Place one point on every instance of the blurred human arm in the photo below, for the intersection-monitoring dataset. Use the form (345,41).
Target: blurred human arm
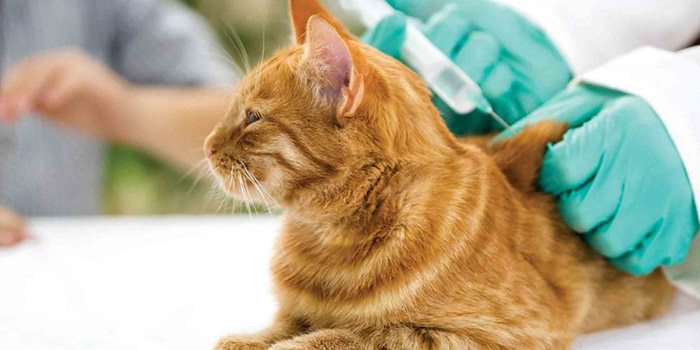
(77,91)
(12,228)
(164,44)
(161,84)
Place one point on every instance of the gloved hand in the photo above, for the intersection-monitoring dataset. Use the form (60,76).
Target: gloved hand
(618,178)
(514,63)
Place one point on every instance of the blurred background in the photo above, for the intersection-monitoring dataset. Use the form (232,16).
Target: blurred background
(138,184)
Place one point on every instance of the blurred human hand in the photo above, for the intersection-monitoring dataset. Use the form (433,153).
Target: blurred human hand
(12,228)
(69,87)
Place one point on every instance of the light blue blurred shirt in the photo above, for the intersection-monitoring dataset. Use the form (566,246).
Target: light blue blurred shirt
(49,170)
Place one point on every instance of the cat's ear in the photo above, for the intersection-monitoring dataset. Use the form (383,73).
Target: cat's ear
(301,11)
(329,62)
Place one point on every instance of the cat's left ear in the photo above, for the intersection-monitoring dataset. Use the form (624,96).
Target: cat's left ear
(328,59)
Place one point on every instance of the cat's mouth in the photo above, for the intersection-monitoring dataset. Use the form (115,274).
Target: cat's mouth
(230,173)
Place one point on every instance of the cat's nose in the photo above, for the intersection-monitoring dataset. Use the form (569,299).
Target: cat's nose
(210,146)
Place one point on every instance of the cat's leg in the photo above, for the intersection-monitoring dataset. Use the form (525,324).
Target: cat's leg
(400,337)
(387,338)
(284,327)
(418,338)
(326,339)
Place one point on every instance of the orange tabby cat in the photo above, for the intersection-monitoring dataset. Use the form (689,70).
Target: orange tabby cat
(396,235)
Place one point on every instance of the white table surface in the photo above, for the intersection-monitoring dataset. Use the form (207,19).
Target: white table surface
(182,282)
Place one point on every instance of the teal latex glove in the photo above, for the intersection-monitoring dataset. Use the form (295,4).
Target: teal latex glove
(514,63)
(618,178)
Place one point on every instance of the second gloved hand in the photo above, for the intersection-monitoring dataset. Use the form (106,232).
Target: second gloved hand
(619,178)
(515,64)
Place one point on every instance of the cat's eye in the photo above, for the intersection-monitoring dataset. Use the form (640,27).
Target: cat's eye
(252,117)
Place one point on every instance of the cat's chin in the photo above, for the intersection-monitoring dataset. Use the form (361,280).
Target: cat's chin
(242,190)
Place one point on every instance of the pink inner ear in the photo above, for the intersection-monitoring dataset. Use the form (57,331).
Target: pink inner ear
(328,55)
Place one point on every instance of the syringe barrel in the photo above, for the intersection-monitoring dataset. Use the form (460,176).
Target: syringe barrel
(447,80)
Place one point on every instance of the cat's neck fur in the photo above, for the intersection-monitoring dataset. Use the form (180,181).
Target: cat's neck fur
(375,198)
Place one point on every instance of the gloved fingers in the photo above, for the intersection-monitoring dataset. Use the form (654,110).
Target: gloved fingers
(670,245)
(497,87)
(588,150)
(626,230)
(498,81)
(577,159)
(663,246)
(388,35)
(591,205)
(420,9)
(447,30)
(572,106)
(478,54)
(513,31)
(525,99)
(641,261)
(507,109)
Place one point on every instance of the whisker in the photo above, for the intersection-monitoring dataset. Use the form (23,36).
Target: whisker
(192,169)
(257,188)
(250,198)
(227,182)
(199,168)
(237,43)
(204,175)
(227,57)
(221,205)
(262,54)
(245,198)
(261,185)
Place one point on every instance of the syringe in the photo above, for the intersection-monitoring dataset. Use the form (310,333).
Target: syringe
(447,80)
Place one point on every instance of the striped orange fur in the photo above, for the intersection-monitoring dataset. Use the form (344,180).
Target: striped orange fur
(396,234)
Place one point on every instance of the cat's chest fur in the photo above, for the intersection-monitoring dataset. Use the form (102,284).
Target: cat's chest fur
(429,241)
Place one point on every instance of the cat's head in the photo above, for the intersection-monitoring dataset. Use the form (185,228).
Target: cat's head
(317,112)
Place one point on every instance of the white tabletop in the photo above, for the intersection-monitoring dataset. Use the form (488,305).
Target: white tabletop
(180,283)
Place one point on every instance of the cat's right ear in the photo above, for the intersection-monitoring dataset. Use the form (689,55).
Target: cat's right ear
(329,64)
(301,12)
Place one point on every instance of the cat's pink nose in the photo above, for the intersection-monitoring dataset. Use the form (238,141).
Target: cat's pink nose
(211,151)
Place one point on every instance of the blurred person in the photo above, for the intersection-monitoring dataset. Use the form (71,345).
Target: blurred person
(78,74)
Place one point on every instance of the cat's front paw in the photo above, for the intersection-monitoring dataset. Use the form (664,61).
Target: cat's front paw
(317,341)
(241,342)
(289,345)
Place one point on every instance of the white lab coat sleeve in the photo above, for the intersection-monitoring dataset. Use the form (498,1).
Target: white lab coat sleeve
(589,33)
(670,83)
